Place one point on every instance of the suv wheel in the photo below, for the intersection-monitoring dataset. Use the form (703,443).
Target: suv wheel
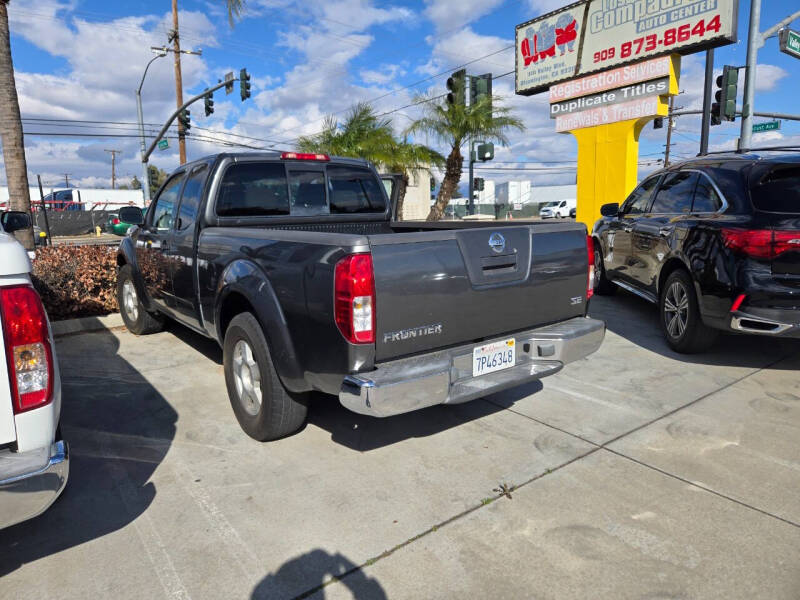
(136,318)
(683,328)
(264,408)
(602,284)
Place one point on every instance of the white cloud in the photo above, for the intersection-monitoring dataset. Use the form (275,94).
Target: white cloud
(453,14)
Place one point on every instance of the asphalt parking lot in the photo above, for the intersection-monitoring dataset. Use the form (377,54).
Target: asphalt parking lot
(636,473)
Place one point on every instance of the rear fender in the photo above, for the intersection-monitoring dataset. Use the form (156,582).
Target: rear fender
(248,280)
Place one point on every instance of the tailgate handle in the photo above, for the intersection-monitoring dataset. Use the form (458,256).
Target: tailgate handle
(498,264)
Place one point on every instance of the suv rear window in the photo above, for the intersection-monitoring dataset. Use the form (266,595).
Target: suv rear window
(253,189)
(776,188)
(354,190)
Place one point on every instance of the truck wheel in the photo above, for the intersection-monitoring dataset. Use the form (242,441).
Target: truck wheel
(602,285)
(264,408)
(136,318)
(683,328)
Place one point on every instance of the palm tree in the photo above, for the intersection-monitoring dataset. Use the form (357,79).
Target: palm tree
(11,131)
(235,8)
(456,124)
(364,134)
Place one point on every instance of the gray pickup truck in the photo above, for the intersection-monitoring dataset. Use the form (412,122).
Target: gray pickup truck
(296,266)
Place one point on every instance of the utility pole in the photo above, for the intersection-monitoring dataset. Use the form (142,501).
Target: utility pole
(755,40)
(113,167)
(66,179)
(669,131)
(176,46)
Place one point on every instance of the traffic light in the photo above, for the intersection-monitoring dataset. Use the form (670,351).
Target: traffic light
(480,87)
(209,103)
(456,85)
(244,84)
(485,152)
(658,123)
(184,118)
(724,109)
(152,177)
(477,184)
(433,183)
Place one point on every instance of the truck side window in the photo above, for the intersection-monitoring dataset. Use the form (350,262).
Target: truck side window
(253,189)
(307,190)
(354,190)
(190,199)
(164,211)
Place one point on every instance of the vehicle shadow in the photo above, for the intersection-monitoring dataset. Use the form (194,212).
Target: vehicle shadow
(364,433)
(636,320)
(312,570)
(119,429)
(205,345)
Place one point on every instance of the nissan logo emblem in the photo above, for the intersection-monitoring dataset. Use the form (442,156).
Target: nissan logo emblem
(497,242)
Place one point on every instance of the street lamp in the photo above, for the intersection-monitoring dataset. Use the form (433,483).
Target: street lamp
(159,53)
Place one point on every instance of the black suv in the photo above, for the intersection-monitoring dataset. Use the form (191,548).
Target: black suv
(715,242)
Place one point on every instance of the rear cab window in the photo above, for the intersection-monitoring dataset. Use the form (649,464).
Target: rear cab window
(776,187)
(297,189)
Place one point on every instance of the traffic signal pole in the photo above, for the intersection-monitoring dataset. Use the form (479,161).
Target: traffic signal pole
(471,199)
(755,39)
(707,91)
(146,154)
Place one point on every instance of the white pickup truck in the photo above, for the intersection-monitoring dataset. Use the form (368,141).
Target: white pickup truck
(34,461)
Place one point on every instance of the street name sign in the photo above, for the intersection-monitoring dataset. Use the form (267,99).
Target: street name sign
(768,126)
(163,144)
(596,35)
(789,42)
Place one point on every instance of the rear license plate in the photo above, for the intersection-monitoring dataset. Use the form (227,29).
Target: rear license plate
(494,357)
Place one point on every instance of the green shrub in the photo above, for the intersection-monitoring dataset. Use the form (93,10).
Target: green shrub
(76,281)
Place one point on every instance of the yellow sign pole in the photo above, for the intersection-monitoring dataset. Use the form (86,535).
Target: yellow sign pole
(608,157)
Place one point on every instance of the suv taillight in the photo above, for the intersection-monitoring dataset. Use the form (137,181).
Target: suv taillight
(591,274)
(354,298)
(28,351)
(761,243)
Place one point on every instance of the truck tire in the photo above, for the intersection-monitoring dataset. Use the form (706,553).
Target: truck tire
(602,284)
(136,318)
(680,318)
(264,408)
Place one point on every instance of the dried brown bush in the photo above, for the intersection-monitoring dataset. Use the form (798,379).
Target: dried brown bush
(76,281)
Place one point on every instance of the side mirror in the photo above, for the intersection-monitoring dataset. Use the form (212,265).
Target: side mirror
(132,215)
(610,210)
(14,220)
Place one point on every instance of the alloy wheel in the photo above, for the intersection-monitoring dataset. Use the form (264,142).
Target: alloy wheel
(247,377)
(676,309)
(129,300)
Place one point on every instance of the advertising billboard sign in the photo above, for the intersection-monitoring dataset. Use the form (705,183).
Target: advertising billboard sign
(595,35)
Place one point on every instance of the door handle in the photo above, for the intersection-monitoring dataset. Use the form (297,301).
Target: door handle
(665,231)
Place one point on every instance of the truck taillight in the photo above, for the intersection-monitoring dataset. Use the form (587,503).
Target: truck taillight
(591,274)
(354,298)
(27,343)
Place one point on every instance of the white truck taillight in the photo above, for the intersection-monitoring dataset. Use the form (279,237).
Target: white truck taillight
(592,274)
(354,298)
(27,343)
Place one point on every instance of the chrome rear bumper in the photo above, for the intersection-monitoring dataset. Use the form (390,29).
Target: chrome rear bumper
(31,481)
(445,377)
(762,325)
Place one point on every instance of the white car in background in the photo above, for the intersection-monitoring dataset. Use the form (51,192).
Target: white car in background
(558,209)
(34,462)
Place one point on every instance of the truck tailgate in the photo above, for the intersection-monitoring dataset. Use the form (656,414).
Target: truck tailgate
(440,288)
(8,431)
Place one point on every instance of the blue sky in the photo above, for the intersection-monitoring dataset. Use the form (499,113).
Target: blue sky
(80,60)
